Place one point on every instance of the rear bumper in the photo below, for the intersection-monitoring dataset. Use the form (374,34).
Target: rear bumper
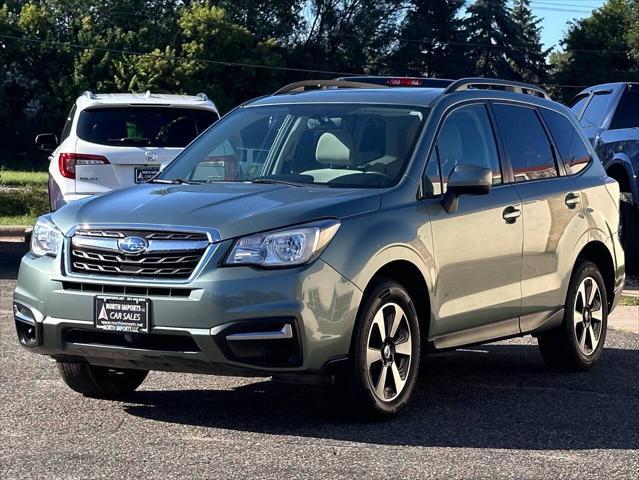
(234,321)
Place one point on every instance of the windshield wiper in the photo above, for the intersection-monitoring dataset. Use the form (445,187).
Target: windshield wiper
(172,181)
(281,182)
(130,141)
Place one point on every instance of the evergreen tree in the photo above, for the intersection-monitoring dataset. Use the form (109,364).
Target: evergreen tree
(492,35)
(536,67)
(430,41)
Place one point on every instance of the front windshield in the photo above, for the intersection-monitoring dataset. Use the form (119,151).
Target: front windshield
(322,144)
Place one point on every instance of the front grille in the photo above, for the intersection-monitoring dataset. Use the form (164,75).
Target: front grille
(170,255)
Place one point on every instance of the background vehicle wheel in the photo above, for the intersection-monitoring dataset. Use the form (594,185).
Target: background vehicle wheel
(629,231)
(385,354)
(99,382)
(578,342)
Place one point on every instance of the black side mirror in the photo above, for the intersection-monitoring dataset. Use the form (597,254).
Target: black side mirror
(46,142)
(466,180)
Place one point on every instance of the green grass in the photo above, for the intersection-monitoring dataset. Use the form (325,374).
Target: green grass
(23,179)
(27,220)
(25,202)
(629,302)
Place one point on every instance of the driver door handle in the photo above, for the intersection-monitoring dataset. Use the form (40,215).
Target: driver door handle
(511,214)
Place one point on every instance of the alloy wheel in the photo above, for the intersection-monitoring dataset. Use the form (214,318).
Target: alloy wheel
(588,316)
(388,352)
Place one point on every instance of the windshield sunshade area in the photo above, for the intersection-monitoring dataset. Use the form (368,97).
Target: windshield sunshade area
(143,126)
(337,145)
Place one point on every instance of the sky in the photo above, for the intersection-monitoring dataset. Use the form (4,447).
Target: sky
(556,14)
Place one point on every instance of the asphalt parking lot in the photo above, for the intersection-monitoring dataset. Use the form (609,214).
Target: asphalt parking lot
(487,412)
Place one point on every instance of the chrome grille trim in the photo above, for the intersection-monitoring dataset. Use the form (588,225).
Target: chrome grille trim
(171,257)
(155,246)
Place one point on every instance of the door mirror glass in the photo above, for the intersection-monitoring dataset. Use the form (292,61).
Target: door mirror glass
(46,142)
(466,180)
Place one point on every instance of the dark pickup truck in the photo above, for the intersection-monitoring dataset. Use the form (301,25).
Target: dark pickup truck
(609,114)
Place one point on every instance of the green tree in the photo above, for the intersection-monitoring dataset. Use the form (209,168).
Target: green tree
(492,35)
(597,49)
(430,41)
(351,36)
(535,68)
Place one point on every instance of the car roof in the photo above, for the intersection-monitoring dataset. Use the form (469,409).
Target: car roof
(383,96)
(88,100)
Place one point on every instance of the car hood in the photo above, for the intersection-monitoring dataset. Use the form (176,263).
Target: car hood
(233,209)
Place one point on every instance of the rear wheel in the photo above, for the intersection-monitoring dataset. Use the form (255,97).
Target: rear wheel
(101,382)
(385,354)
(578,342)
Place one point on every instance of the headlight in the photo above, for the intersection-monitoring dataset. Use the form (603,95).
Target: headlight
(282,248)
(46,239)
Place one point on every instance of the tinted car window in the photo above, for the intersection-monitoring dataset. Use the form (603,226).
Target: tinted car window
(526,143)
(66,130)
(467,137)
(572,149)
(596,110)
(143,126)
(578,104)
(627,115)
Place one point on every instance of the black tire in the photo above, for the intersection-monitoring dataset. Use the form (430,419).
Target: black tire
(355,385)
(629,231)
(100,382)
(561,348)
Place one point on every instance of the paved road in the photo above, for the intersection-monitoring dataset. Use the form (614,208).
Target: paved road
(489,412)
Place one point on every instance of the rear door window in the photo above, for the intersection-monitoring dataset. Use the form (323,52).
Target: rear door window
(573,151)
(527,145)
(596,110)
(467,137)
(143,126)
(627,115)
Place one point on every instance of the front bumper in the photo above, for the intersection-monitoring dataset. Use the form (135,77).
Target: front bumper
(229,320)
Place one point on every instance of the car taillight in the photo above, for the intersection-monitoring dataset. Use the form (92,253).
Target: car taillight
(68,161)
(404,82)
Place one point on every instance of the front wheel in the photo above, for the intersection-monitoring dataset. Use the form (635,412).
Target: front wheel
(100,382)
(385,354)
(577,344)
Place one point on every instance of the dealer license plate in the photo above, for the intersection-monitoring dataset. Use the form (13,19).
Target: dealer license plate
(122,314)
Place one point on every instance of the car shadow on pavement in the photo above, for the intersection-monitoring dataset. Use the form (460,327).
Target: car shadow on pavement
(495,396)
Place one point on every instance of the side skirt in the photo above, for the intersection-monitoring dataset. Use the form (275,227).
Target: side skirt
(492,332)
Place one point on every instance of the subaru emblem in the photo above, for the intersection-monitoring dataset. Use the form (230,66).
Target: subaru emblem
(133,245)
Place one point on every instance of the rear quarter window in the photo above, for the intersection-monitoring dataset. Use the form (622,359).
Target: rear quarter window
(627,114)
(574,153)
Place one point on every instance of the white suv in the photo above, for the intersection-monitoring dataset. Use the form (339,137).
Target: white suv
(115,140)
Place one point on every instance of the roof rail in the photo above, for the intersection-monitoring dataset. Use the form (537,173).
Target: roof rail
(509,85)
(203,97)
(305,85)
(89,94)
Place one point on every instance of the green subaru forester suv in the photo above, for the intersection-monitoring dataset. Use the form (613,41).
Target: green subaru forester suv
(336,232)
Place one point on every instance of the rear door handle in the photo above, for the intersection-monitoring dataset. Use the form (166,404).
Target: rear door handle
(572,199)
(511,214)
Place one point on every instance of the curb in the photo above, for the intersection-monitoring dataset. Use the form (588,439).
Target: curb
(13,230)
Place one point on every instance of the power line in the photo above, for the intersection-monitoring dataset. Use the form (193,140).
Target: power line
(208,61)
(171,57)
